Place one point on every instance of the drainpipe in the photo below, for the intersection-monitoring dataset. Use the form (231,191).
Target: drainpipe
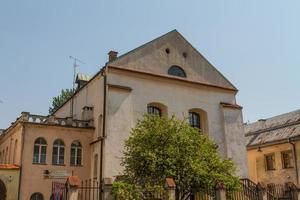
(295,159)
(103,132)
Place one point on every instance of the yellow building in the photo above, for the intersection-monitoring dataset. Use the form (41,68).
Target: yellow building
(274,149)
(9,181)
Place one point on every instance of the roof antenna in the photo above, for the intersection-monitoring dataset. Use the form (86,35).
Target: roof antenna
(75,64)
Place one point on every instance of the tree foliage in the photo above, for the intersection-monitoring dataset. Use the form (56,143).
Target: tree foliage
(60,99)
(168,147)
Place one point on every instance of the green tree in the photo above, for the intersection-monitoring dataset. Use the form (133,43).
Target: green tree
(60,99)
(162,147)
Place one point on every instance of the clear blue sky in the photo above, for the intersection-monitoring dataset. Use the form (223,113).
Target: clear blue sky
(254,43)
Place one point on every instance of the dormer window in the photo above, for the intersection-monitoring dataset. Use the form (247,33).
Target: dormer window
(176,71)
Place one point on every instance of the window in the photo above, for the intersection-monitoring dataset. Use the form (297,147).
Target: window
(154,110)
(176,71)
(39,151)
(6,156)
(287,159)
(0,157)
(194,120)
(36,196)
(95,166)
(15,151)
(270,161)
(58,152)
(76,153)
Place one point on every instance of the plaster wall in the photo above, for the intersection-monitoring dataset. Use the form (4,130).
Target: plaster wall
(10,146)
(257,167)
(126,107)
(33,178)
(10,177)
(234,139)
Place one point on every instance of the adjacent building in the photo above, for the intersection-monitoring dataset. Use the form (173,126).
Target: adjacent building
(274,149)
(166,76)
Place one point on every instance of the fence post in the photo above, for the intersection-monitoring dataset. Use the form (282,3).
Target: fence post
(220,191)
(73,183)
(107,188)
(170,186)
(262,191)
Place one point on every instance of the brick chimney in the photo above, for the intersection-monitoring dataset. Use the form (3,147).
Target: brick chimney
(112,55)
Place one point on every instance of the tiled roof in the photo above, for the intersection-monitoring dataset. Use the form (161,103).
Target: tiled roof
(278,129)
(9,166)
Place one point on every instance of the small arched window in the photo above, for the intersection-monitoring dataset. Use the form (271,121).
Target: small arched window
(37,196)
(194,120)
(76,153)
(15,151)
(39,151)
(153,110)
(58,154)
(176,71)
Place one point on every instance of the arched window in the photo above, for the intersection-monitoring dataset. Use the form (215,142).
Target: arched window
(153,110)
(76,153)
(58,154)
(39,151)
(6,156)
(176,71)
(37,196)
(198,119)
(194,119)
(15,151)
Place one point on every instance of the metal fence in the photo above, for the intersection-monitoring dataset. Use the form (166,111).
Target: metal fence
(89,190)
(203,193)
(282,192)
(248,190)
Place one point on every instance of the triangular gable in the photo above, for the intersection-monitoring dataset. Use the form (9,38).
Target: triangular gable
(153,57)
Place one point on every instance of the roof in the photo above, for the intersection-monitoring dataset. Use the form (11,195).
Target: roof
(82,77)
(9,166)
(279,129)
(176,38)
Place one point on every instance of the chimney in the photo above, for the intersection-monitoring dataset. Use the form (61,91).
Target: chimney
(112,55)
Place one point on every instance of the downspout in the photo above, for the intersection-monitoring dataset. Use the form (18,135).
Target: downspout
(295,159)
(21,164)
(103,132)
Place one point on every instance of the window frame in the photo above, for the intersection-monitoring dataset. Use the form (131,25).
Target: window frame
(76,149)
(59,147)
(151,110)
(192,115)
(40,146)
(266,162)
(176,70)
(291,159)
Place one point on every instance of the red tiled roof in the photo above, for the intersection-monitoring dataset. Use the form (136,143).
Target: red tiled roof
(9,166)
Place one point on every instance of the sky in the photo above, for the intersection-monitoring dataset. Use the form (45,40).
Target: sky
(254,43)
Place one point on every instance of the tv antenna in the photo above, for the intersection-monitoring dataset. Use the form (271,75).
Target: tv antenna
(75,64)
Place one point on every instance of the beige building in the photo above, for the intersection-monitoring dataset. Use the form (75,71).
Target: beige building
(48,150)
(274,149)
(166,76)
